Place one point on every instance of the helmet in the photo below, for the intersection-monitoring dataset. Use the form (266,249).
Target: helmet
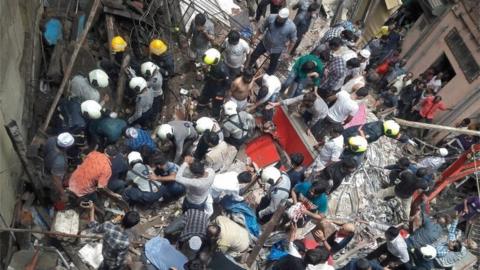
(92,108)
(211,56)
(270,174)
(134,156)
(358,144)
(137,84)
(391,128)
(428,252)
(443,152)
(164,130)
(98,77)
(230,108)
(158,47)
(203,124)
(365,53)
(65,140)
(118,44)
(148,68)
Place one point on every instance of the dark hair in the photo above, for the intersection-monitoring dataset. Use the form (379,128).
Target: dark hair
(111,150)
(159,159)
(348,35)
(233,37)
(421,172)
(213,231)
(404,162)
(309,97)
(437,97)
(130,219)
(349,163)
(320,187)
(248,73)
(337,129)
(325,55)
(244,177)
(457,246)
(362,92)
(297,159)
(335,42)
(362,264)
(263,92)
(353,63)
(197,168)
(211,137)
(195,264)
(314,6)
(308,66)
(317,255)
(392,233)
(200,19)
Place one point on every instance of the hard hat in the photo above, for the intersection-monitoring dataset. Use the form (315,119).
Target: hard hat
(270,174)
(443,152)
(148,68)
(358,144)
(391,128)
(203,124)
(65,140)
(428,252)
(131,132)
(164,131)
(98,78)
(365,53)
(134,156)
(118,44)
(284,13)
(137,84)
(211,57)
(230,108)
(158,47)
(92,108)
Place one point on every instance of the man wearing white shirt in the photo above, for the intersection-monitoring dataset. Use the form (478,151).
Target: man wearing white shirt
(395,248)
(268,93)
(436,82)
(330,153)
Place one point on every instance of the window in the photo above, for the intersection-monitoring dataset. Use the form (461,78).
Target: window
(441,65)
(462,54)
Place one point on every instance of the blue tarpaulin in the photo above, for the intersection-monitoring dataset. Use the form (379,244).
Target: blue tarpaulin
(53,31)
(233,206)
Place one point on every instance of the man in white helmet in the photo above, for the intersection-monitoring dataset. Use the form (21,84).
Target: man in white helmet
(143,102)
(181,133)
(86,88)
(278,191)
(56,162)
(91,109)
(151,72)
(237,126)
(206,123)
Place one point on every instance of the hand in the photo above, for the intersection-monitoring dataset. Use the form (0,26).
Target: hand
(293,232)
(465,210)
(106,98)
(313,75)
(152,176)
(274,104)
(320,236)
(188,159)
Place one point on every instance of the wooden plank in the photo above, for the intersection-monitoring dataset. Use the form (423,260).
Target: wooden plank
(437,127)
(128,15)
(122,80)
(109,22)
(68,71)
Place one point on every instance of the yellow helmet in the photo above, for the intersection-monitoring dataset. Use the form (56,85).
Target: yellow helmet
(158,47)
(391,128)
(211,56)
(118,44)
(358,144)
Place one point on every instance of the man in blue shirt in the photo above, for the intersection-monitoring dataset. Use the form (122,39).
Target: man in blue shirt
(136,138)
(165,172)
(314,197)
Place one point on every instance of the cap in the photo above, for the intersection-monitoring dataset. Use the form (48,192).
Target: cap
(134,156)
(283,13)
(158,47)
(138,84)
(443,152)
(65,140)
(428,252)
(365,53)
(195,243)
(92,108)
(131,132)
(118,44)
(391,128)
(98,77)
(211,56)
(270,173)
(358,144)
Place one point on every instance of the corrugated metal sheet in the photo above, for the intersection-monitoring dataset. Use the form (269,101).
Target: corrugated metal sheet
(218,9)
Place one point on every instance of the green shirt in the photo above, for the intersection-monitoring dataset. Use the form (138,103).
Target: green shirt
(297,67)
(109,128)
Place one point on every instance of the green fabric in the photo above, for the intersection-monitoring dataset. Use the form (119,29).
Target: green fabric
(111,128)
(297,67)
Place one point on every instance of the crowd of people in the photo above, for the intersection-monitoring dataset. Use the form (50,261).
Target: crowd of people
(97,153)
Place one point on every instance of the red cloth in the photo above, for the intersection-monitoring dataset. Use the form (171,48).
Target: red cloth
(429,108)
(383,68)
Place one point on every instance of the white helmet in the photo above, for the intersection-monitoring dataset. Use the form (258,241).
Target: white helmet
(65,140)
(98,78)
(270,173)
(92,108)
(443,152)
(365,53)
(134,156)
(203,124)
(164,131)
(230,108)
(137,84)
(148,68)
(428,252)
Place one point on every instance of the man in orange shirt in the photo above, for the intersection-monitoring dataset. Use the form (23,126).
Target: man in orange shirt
(92,174)
(429,107)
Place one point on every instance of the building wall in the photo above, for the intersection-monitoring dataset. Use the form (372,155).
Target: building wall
(424,46)
(16,18)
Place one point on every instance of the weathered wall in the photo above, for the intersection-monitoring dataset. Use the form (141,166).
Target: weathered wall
(16,18)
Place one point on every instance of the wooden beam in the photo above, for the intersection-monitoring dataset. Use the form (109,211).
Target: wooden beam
(109,22)
(122,80)
(69,68)
(437,127)
(269,227)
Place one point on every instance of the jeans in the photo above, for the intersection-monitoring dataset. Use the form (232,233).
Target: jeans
(116,185)
(322,128)
(298,84)
(406,203)
(134,195)
(171,191)
(188,205)
(274,57)
(383,250)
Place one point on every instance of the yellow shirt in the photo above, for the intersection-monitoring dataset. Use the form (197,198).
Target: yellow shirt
(233,237)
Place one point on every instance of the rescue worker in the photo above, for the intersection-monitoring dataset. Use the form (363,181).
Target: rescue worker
(91,110)
(86,89)
(162,57)
(151,73)
(278,191)
(106,130)
(118,45)
(217,82)
(181,133)
(374,130)
(206,123)
(356,148)
(138,139)
(143,102)
(238,127)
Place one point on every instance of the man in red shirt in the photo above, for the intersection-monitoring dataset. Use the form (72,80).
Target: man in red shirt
(429,107)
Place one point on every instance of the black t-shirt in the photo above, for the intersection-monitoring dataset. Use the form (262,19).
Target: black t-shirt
(409,184)
(373,131)
(119,167)
(335,172)
(289,262)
